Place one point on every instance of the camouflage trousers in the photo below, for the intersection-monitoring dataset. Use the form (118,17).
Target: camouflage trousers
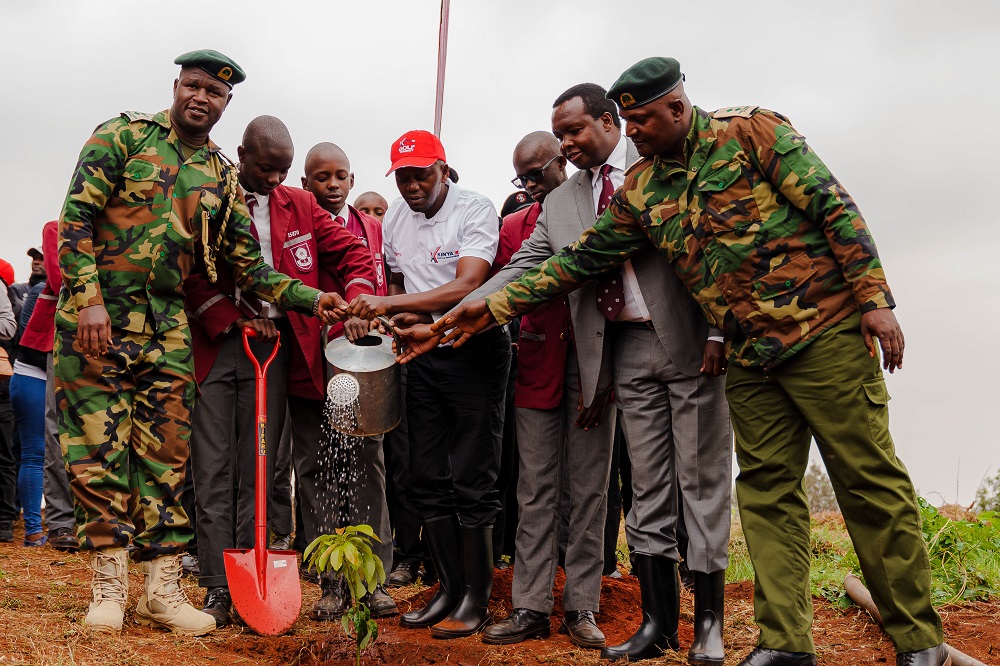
(124,425)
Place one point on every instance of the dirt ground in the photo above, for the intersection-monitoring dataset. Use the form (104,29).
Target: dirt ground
(45,595)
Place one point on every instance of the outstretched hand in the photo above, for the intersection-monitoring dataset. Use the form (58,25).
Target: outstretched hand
(369,306)
(332,308)
(881,323)
(464,321)
(416,340)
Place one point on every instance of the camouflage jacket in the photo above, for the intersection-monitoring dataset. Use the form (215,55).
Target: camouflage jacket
(132,223)
(766,239)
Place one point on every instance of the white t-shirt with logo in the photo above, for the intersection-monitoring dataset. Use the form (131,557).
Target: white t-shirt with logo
(426,250)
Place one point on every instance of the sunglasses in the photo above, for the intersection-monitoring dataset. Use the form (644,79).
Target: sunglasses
(535,175)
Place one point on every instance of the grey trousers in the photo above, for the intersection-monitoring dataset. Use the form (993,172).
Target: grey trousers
(318,484)
(224,449)
(549,442)
(58,500)
(679,439)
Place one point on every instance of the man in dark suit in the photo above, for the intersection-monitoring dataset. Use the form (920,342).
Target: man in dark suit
(298,235)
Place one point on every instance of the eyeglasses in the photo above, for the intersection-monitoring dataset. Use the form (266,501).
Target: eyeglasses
(535,175)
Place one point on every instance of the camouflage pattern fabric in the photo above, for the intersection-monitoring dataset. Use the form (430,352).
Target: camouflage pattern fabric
(124,424)
(132,224)
(766,239)
(130,231)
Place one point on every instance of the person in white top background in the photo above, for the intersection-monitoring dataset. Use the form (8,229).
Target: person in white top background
(439,242)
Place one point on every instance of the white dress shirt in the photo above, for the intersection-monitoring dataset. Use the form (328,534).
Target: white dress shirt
(262,222)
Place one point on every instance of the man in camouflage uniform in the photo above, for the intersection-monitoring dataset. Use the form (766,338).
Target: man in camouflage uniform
(151,200)
(777,255)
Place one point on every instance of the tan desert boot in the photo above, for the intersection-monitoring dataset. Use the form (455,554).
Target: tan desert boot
(110,589)
(164,604)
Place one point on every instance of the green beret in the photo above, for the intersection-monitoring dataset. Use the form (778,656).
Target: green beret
(218,65)
(645,81)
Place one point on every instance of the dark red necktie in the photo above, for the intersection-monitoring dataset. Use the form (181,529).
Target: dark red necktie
(611,287)
(251,205)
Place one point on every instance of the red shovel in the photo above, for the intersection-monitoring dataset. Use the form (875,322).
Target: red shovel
(264,584)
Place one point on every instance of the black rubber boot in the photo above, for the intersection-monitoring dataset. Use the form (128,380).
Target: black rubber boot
(660,609)
(477,568)
(442,540)
(709,603)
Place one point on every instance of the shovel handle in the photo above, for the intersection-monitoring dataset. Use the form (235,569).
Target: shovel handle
(260,472)
(251,333)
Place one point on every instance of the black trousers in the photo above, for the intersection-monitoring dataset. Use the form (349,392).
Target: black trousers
(455,413)
(403,518)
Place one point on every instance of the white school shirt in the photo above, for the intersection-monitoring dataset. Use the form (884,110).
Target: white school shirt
(262,222)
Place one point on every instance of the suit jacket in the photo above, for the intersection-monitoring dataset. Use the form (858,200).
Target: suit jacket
(568,212)
(41,329)
(545,334)
(308,245)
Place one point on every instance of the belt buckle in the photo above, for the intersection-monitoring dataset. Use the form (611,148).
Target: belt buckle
(649,324)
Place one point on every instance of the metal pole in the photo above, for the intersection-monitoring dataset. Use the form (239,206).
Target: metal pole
(442,62)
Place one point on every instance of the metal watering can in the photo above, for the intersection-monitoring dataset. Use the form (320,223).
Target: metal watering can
(367,377)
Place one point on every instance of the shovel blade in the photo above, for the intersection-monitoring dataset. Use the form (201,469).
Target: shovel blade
(269,601)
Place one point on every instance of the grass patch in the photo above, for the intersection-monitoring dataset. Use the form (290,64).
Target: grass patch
(964,553)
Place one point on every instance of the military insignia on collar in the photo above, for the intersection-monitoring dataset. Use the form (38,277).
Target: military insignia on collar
(626,100)
(225,73)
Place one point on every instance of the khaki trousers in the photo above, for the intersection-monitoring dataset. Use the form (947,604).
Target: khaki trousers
(832,391)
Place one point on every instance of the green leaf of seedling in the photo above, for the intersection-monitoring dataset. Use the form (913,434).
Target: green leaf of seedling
(351,554)
(337,558)
(366,530)
(345,622)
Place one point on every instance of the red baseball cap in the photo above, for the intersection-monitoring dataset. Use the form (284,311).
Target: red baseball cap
(416,148)
(6,272)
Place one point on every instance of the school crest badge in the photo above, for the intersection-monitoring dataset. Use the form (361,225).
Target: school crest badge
(302,256)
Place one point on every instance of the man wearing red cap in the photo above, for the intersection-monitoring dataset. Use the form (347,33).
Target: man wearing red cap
(440,241)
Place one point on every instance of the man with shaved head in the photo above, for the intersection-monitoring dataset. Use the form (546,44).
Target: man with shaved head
(372,203)
(558,436)
(329,178)
(297,237)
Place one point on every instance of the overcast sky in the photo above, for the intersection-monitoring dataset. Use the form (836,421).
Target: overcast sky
(899,98)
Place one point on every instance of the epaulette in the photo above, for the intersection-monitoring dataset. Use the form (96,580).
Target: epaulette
(133,116)
(736,112)
(635,165)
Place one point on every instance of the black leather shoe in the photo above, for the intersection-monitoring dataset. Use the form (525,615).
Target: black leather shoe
(764,657)
(404,574)
(935,656)
(708,648)
(217,604)
(380,603)
(582,629)
(63,538)
(334,601)
(521,624)
(308,574)
(6,531)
